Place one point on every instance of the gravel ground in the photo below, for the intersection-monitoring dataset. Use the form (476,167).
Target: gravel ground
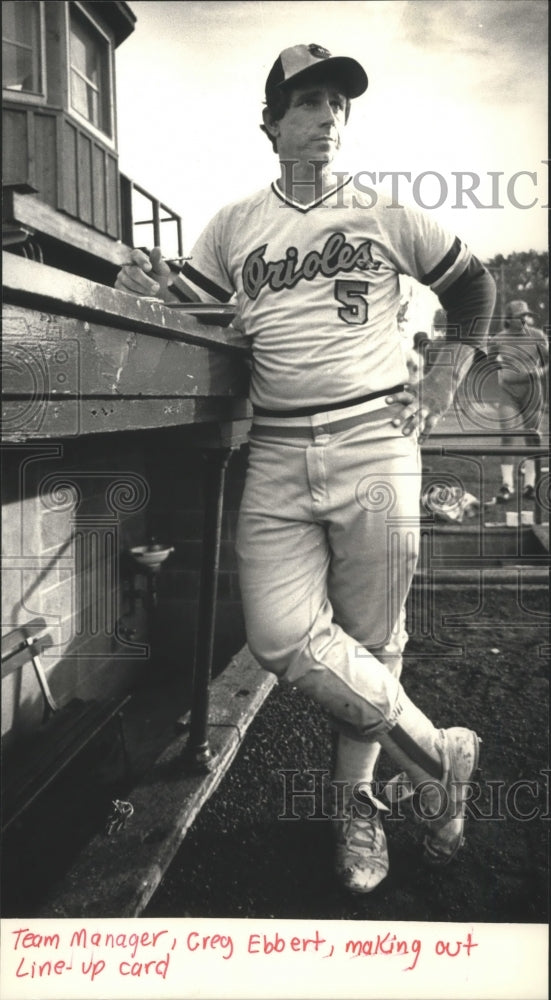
(487,670)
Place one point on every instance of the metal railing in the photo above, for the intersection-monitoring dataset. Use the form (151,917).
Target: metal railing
(154,217)
(468,446)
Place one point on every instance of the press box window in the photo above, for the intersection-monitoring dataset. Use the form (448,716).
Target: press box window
(90,77)
(22,47)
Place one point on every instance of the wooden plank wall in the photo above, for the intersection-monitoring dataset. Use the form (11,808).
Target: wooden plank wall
(29,150)
(72,170)
(90,188)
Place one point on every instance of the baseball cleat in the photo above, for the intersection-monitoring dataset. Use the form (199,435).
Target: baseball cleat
(441,804)
(361,859)
(460,753)
(529,493)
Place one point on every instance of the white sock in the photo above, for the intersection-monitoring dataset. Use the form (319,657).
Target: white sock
(355,761)
(507,476)
(529,472)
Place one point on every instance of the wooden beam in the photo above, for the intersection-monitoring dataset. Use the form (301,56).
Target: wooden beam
(231,434)
(118,15)
(28,211)
(69,356)
(35,285)
(43,419)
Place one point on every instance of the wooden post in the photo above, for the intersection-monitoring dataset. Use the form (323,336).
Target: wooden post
(198,750)
(127,214)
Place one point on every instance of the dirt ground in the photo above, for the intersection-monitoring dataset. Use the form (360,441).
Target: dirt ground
(476,657)
(485,665)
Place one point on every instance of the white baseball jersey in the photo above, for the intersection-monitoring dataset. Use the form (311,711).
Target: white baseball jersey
(317,288)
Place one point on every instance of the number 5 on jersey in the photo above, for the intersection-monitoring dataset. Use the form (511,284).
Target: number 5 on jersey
(351,294)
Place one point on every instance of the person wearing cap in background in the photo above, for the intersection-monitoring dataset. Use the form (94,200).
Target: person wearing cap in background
(328,526)
(521,352)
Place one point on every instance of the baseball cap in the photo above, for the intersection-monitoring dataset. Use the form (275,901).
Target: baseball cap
(299,62)
(517,308)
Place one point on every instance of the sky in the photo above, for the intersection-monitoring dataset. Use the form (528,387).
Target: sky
(455,87)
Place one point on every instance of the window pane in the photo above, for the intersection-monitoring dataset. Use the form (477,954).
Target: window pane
(78,48)
(79,98)
(84,50)
(93,109)
(90,73)
(21,46)
(17,20)
(16,67)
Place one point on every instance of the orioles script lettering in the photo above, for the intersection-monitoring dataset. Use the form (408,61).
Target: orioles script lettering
(336,256)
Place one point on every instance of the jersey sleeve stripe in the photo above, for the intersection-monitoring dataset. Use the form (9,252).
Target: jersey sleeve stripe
(208,286)
(445,264)
(181,291)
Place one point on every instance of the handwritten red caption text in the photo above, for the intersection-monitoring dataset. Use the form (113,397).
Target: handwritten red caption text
(147,953)
(381,944)
(95,944)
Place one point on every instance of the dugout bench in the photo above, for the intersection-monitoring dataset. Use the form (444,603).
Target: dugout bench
(30,766)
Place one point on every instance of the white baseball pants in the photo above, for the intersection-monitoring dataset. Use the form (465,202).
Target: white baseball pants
(327,546)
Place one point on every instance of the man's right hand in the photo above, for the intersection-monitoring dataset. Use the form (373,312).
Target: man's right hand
(145,275)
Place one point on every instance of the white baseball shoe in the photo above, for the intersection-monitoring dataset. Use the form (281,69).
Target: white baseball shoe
(441,803)
(361,860)
(444,836)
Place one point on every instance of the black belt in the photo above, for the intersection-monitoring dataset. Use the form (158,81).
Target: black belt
(310,411)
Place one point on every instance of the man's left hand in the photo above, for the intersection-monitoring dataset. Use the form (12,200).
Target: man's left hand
(422,406)
(424,403)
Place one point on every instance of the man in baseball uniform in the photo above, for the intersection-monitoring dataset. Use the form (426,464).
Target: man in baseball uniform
(521,352)
(328,528)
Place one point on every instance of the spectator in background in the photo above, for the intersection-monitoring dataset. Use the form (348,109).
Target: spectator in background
(521,353)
